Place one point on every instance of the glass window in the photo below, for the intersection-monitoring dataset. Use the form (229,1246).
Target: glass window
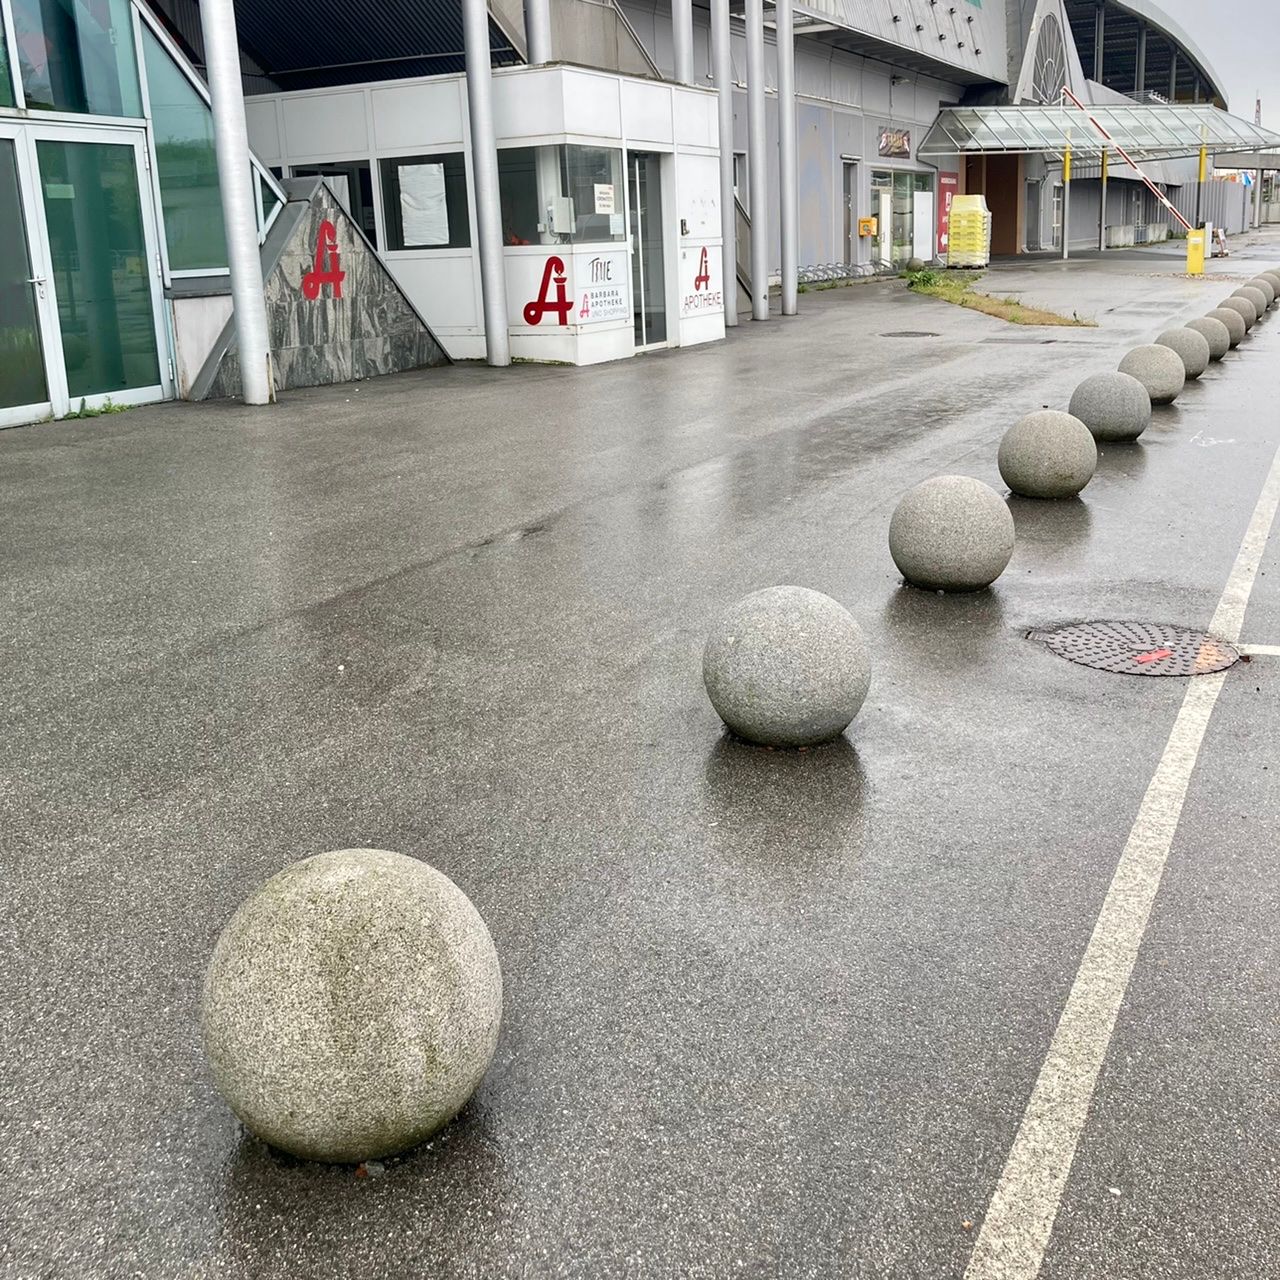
(424,202)
(186,163)
(352,182)
(561,195)
(269,199)
(6,76)
(77,55)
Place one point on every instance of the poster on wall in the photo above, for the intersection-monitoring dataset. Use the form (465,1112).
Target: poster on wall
(558,290)
(701,282)
(423,213)
(948,185)
(895,143)
(604,197)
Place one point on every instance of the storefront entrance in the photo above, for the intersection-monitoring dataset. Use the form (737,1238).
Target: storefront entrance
(80,288)
(648,274)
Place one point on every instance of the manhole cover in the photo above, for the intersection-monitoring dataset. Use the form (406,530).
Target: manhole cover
(1139,648)
(910,333)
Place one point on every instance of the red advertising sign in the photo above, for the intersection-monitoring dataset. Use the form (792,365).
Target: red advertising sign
(948,186)
(553,274)
(326,269)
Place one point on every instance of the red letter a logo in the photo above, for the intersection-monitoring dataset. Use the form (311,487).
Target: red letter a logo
(703,279)
(535,310)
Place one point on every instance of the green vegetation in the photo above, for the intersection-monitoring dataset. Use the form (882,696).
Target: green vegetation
(959,290)
(106,407)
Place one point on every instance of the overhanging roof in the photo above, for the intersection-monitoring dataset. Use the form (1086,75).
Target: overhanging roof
(1145,132)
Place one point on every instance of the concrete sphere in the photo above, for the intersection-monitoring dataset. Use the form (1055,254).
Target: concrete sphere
(1190,346)
(951,533)
(1255,295)
(1234,321)
(1244,307)
(1158,369)
(1114,406)
(1047,454)
(1265,285)
(787,667)
(915,264)
(351,1006)
(1273,279)
(1215,333)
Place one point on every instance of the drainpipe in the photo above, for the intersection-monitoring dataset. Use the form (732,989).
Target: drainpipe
(1102,216)
(682,39)
(758,161)
(239,201)
(537,31)
(484,168)
(787,177)
(722,65)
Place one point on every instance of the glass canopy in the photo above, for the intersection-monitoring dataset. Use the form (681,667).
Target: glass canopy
(1145,132)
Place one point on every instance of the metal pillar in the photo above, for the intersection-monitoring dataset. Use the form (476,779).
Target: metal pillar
(788,179)
(537,31)
(239,200)
(1173,73)
(1066,204)
(722,66)
(757,161)
(1201,176)
(1257,197)
(682,39)
(1102,216)
(484,168)
(1099,43)
(1140,64)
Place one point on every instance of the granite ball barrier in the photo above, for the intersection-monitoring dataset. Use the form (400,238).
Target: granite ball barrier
(1259,299)
(1191,347)
(1215,333)
(1114,406)
(351,1005)
(787,667)
(1265,285)
(1234,322)
(951,533)
(1047,454)
(1273,279)
(1243,307)
(1158,369)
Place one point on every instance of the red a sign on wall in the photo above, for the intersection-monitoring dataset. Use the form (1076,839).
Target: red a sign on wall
(326,268)
(553,274)
(703,279)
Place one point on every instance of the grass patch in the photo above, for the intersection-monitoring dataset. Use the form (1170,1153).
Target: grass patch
(106,407)
(959,291)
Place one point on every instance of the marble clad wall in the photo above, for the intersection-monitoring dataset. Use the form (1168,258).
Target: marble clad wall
(369,331)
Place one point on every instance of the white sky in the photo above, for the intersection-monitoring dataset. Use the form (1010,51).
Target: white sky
(1241,38)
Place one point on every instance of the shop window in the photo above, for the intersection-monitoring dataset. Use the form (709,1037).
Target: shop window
(186,164)
(269,199)
(424,202)
(561,195)
(6,76)
(352,183)
(77,55)
(893,243)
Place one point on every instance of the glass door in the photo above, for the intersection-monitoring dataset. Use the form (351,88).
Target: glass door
(648,274)
(24,386)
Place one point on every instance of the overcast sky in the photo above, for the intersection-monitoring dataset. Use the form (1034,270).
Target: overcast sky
(1241,38)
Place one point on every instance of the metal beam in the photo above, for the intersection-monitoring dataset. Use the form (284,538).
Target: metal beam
(1140,64)
(537,31)
(239,200)
(758,162)
(1099,43)
(722,68)
(682,39)
(484,169)
(788,179)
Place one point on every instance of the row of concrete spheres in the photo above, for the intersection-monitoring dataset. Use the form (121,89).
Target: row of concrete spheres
(352,1003)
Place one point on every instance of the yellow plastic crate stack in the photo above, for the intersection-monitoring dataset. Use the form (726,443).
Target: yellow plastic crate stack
(969,233)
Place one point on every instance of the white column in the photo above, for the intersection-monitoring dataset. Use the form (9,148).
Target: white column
(788,179)
(537,31)
(758,161)
(682,39)
(722,66)
(484,167)
(239,200)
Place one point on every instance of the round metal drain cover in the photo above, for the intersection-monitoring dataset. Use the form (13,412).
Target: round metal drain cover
(910,333)
(1139,648)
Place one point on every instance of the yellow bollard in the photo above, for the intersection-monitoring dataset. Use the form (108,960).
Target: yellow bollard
(1195,252)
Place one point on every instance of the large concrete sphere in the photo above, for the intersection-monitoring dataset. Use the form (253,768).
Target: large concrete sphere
(1255,295)
(1190,346)
(351,1006)
(1047,454)
(951,533)
(787,667)
(1236,328)
(1265,286)
(1158,369)
(1244,307)
(1215,333)
(1273,279)
(1114,406)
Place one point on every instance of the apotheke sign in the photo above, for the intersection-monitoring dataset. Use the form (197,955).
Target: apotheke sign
(705,293)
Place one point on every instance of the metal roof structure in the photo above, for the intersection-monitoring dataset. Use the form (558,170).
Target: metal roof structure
(1145,132)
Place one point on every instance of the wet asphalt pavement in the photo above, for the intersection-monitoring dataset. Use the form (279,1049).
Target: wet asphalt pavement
(767,1013)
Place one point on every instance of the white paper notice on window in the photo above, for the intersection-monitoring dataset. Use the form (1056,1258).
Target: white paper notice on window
(604,197)
(424,216)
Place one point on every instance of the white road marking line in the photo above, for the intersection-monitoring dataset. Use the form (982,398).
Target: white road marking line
(1260,650)
(1019,1220)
